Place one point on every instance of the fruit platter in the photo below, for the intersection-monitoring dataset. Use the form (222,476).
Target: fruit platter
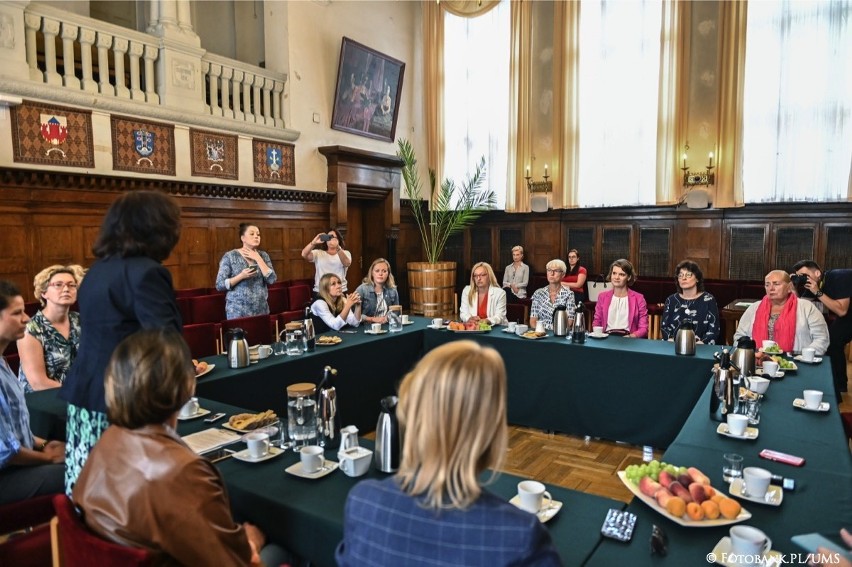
(784,364)
(482,326)
(683,495)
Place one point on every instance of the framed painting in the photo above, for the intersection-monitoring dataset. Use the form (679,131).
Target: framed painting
(369,84)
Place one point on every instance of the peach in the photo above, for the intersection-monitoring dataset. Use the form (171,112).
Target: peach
(694,511)
(663,496)
(666,478)
(729,508)
(696,490)
(698,476)
(648,486)
(678,489)
(676,506)
(711,509)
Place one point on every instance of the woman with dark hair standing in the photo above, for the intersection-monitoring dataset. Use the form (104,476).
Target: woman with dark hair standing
(575,276)
(245,273)
(691,303)
(326,253)
(125,290)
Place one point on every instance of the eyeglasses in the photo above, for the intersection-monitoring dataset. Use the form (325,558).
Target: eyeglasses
(59,286)
(480,275)
(549,271)
(685,275)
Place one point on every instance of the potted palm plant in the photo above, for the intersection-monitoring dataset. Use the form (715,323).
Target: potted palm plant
(452,208)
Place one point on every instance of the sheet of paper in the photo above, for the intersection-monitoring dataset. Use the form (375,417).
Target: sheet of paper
(210,439)
(745,303)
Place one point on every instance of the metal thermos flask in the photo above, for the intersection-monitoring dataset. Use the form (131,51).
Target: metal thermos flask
(238,349)
(388,442)
(685,339)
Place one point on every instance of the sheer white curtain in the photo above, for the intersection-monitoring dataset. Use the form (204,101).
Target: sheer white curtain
(797,119)
(618,100)
(476,97)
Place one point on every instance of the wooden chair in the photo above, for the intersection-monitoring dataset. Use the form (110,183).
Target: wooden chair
(202,338)
(30,549)
(207,308)
(259,328)
(75,545)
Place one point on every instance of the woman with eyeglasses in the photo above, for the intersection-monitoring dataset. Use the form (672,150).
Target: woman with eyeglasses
(53,334)
(620,310)
(575,276)
(483,298)
(691,303)
(545,300)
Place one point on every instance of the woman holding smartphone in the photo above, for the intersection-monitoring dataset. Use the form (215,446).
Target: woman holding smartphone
(326,253)
(245,273)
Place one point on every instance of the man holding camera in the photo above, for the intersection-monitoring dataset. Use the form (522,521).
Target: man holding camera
(832,289)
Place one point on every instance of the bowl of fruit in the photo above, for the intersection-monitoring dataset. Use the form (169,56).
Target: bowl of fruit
(481,326)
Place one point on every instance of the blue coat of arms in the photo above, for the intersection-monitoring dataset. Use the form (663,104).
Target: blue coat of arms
(144,142)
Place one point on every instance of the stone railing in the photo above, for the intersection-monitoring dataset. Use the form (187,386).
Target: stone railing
(242,92)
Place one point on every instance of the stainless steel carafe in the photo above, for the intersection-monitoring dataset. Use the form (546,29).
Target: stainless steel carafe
(684,341)
(388,442)
(328,421)
(743,356)
(561,328)
(238,348)
(578,333)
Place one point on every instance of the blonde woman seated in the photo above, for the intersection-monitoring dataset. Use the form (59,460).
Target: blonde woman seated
(378,292)
(782,317)
(334,308)
(546,299)
(483,298)
(452,410)
(53,334)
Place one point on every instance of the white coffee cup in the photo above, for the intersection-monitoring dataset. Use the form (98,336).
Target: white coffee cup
(512,326)
(748,543)
(190,408)
(312,457)
(437,322)
(767,344)
(808,354)
(259,352)
(737,424)
(376,328)
(770,367)
(406,319)
(521,329)
(258,444)
(531,494)
(539,327)
(597,331)
(756,481)
(813,398)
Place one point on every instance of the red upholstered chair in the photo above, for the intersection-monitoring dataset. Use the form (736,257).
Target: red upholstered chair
(304,281)
(202,338)
(185,310)
(289,316)
(300,296)
(75,545)
(281,283)
(32,308)
(30,549)
(279,299)
(259,329)
(192,292)
(207,308)
(517,312)
(14,361)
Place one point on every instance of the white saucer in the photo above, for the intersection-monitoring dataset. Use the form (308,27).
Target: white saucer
(245,456)
(409,323)
(596,336)
(371,332)
(800,403)
(778,374)
(816,359)
(438,328)
(750,432)
(210,368)
(199,413)
(328,467)
(773,497)
(723,549)
(543,515)
(771,352)
(508,331)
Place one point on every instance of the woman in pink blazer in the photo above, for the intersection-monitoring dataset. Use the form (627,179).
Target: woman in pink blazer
(621,310)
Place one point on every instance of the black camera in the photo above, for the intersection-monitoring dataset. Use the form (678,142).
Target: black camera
(799,280)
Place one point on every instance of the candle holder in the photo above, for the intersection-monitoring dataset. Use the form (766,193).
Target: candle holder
(545,186)
(693,178)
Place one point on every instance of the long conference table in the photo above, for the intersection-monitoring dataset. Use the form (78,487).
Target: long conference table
(637,391)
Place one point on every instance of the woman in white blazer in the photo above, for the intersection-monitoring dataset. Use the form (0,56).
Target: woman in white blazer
(483,298)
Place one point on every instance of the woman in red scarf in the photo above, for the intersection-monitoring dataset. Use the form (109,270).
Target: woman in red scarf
(780,316)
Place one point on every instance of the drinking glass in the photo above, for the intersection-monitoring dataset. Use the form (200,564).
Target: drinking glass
(733,467)
(753,410)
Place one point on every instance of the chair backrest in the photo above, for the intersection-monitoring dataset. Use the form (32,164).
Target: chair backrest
(14,360)
(517,312)
(300,296)
(207,308)
(288,316)
(259,328)
(202,339)
(305,281)
(32,307)
(75,545)
(185,308)
(192,292)
(279,299)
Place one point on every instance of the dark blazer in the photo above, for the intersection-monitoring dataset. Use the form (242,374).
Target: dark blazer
(118,297)
(385,526)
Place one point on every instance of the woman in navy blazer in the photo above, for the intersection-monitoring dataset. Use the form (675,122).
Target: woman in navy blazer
(129,289)
(622,310)
(452,409)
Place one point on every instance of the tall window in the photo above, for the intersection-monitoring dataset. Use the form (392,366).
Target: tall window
(618,96)
(476,97)
(797,129)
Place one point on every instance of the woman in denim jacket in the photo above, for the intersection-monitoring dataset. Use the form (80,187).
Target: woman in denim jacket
(378,292)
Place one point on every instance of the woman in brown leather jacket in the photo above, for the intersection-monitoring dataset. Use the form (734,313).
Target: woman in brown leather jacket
(141,485)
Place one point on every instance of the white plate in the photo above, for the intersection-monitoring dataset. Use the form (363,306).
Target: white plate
(296,469)
(760,372)
(543,515)
(199,413)
(512,332)
(371,332)
(773,497)
(800,403)
(409,323)
(750,432)
(816,359)
(601,336)
(778,352)
(723,549)
(245,456)
(329,344)
(210,368)
(686,522)
(438,328)
(534,338)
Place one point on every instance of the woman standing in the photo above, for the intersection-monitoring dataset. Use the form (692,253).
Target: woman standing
(620,310)
(334,308)
(329,258)
(575,276)
(691,303)
(483,298)
(244,274)
(516,276)
(545,300)
(378,292)
(53,334)
(452,412)
(125,290)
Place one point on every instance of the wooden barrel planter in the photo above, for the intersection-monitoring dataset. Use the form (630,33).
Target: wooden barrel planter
(432,288)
